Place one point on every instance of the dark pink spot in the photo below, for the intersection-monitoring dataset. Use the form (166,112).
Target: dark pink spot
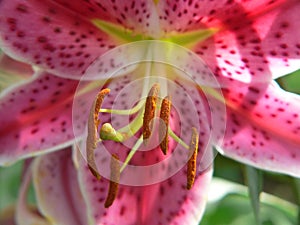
(22,8)
(34,131)
(42,39)
(253,89)
(122,210)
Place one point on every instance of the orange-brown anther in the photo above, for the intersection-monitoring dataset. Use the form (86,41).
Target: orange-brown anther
(93,122)
(114,181)
(98,102)
(191,166)
(165,111)
(149,113)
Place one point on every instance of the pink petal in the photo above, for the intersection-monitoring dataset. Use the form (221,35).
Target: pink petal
(263,127)
(282,42)
(257,39)
(36,117)
(182,15)
(139,16)
(50,36)
(167,202)
(58,196)
(25,214)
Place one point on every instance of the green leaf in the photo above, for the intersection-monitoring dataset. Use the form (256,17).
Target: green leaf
(235,209)
(290,82)
(254,181)
(9,184)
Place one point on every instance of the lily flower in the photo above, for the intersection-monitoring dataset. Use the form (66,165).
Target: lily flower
(217,91)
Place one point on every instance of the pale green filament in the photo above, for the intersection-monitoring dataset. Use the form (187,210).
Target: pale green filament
(131,153)
(177,139)
(124,111)
(133,126)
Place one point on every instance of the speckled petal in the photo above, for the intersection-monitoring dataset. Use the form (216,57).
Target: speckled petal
(58,195)
(256,39)
(36,117)
(167,202)
(139,16)
(263,126)
(50,36)
(182,15)
(25,214)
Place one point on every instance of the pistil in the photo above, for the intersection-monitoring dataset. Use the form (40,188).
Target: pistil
(107,132)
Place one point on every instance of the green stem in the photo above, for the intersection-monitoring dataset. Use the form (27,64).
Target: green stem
(254,179)
(297,193)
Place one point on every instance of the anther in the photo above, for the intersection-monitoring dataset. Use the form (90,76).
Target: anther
(191,166)
(149,113)
(165,110)
(93,123)
(114,181)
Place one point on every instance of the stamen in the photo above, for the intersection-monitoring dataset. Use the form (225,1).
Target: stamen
(91,144)
(114,181)
(149,113)
(131,153)
(98,103)
(177,139)
(131,111)
(91,141)
(191,170)
(164,127)
(107,132)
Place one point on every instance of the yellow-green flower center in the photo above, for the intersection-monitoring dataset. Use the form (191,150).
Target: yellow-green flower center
(187,39)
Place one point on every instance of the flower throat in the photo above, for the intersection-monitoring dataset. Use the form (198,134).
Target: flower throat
(146,110)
